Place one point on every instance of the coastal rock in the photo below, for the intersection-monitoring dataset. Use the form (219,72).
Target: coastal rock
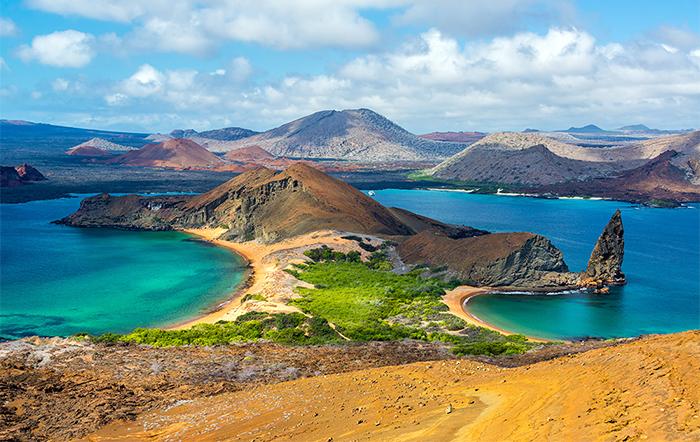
(518,259)
(605,264)
(18,175)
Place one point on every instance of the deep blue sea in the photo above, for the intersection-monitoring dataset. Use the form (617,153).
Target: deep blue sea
(59,280)
(662,262)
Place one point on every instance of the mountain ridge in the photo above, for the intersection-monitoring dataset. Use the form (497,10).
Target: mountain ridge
(352,134)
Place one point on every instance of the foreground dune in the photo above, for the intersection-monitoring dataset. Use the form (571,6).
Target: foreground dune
(647,389)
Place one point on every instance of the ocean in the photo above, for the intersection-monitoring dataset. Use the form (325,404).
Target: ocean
(57,280)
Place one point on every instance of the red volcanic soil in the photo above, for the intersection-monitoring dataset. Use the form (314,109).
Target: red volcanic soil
(249,154)
(455,137)
(88,151)
(175,153)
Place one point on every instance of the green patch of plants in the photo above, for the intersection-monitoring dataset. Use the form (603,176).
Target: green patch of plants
(284,328)
(253,297)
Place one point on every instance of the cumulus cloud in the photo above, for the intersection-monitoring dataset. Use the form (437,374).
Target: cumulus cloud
(197,27)
(8,28)
(551,80)
(69,48)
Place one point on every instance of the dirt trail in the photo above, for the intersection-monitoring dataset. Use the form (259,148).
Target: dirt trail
(642,390)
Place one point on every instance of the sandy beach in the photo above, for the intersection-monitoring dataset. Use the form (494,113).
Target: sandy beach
(266,277)
(456,298)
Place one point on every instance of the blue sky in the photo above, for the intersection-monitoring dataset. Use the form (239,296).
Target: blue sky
(440,65)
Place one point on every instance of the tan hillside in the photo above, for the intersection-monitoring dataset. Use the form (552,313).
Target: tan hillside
(175,153)
(647,389)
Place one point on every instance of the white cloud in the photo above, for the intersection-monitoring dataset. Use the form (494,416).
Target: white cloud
(198,26)
(146,81)
(3,64)
(239,69)
(8,28)
(121,11)
(60,85)
(63,49)
(550,80)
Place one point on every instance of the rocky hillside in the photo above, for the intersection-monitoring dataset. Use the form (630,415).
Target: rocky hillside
(223,134)
(533,165)
(356,134)
(271,206)
(644,389)
(97,147)
(658,179)
(176,153)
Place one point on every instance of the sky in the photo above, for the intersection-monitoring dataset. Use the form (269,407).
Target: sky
(428,65)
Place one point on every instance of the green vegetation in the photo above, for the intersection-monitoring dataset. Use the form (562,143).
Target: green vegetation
(476,186)
(368,302)
(364,300)
(284,328)
(253,297)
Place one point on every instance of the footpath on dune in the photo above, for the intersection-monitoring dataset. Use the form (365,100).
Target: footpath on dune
(647,389)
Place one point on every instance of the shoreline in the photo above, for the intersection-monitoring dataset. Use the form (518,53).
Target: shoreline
(233,299)
(257,277)
(266,276)
(457,298)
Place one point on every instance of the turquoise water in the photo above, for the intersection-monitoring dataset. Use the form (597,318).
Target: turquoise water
(662,262)
(58,280)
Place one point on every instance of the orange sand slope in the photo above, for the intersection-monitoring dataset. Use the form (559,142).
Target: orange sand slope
(648,389)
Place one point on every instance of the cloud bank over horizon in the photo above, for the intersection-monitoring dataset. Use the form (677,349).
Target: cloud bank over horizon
(453,66)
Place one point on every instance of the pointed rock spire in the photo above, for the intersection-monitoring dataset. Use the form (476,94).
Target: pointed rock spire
(605,264)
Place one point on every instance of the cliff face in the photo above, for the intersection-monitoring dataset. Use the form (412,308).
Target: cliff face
(605,264)
(498,259)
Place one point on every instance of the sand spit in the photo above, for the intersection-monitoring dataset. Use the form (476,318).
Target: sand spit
(646,389)
(267,277)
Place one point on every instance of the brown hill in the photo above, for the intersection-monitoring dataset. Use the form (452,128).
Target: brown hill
(658,179)
(250,154)
(533,165)
(645,389)
(271,205)
(174,153)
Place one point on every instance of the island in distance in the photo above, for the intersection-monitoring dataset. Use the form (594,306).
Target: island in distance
(633,163)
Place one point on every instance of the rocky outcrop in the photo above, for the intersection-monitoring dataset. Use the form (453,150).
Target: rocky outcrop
(605,264)
(518,259)
(18,175)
